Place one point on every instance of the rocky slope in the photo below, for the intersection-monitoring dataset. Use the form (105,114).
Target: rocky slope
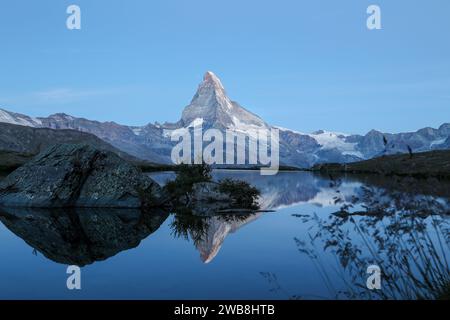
(424,164)
(30,141)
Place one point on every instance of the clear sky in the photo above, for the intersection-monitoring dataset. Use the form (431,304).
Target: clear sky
(305,65)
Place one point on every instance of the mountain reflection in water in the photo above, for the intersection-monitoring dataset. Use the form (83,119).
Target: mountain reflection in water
(344,225)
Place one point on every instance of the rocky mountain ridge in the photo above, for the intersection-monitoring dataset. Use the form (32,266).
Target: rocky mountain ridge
(212,106)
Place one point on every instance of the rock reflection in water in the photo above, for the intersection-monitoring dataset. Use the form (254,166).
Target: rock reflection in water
(81,236)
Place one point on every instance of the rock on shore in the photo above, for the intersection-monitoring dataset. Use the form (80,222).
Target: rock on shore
(78,175)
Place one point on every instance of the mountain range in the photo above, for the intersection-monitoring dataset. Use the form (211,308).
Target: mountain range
(215,109)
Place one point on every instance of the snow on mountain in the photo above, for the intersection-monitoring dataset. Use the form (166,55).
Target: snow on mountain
(19,119)
(437,142)
(137,131)
(331,141)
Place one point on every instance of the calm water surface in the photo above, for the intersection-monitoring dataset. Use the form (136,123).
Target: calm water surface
(318,243)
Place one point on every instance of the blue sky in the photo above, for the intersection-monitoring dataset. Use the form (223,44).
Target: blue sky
(305,65)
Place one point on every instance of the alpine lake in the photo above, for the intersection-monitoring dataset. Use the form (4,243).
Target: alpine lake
(318,241)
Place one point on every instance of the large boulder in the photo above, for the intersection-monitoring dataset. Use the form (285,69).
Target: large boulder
(79,175)
(208,192)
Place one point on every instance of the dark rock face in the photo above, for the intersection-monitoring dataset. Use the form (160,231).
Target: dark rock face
(81,236)
(78,176)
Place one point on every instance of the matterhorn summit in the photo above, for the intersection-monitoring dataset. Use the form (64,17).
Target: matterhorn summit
(212,105)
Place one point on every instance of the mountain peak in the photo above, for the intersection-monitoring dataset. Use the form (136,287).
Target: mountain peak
(211,86)
(212,105)
(210,79)
(209,101)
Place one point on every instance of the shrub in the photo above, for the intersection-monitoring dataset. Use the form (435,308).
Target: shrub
(243,195)
(187,176)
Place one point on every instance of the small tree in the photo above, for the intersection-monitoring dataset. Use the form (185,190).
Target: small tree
(187,176)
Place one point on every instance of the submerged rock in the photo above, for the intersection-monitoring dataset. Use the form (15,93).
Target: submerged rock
(69,175)
(207,199)
(208,192)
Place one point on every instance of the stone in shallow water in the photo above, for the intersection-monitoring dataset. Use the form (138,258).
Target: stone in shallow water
(78,176)
(206,199)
